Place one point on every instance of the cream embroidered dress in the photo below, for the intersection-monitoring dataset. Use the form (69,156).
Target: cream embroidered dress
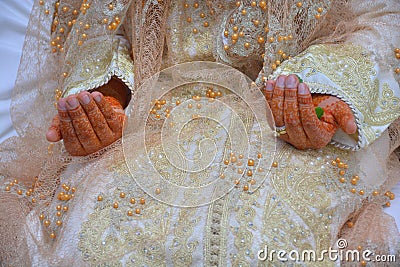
(95,210)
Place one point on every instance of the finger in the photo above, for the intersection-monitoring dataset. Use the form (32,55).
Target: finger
(277,101)
(54,132)
(84,131)
(344,117)
(294,128)
(114,119)
(96,118)
(71,141)
(318,132)
(269,90)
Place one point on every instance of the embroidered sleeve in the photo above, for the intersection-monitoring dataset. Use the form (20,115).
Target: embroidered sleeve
(360,71)
(99,63)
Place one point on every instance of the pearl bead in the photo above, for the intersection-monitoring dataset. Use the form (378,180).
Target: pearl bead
(158,191)
(250,162)
(259,155)
(100,198)
(110,6)
(246,45)
(342,180)
(350,224)
(195,30)
(189,19)
(319,10)
(65,208)
(318,16)
(41,2)
(53,235)
(75,12)
(205,24)
(375,193)
(222,176)
(240,171)
(237,182)
(122,195)
(65,9)
(263,4)
(253,3)
(398,55)
(275,164)
(397,70)
(249,173)
(361,192)
(363,263)
(65,74)
(41,217)
(132,201)
(202,15)
(299,4)
(33,200)
(235,28)
(186,5)
(19,192)
(252,182)
(58,207)
(226,47)
(342,172)
(387,204)
(226,162)
(195,5)
(115,205)
(397,50)
(241,34)
(260,40)
(353,190)
(47,12)
(256,23)
(353,181)
(177,102)
(46,223)
(245,188)
(130,213)
(392,196)
(58,213)
(58,223)
(238,3)
(244,12)
(226,33)
(137,211)
(233,159)
(271,39)
(142,201)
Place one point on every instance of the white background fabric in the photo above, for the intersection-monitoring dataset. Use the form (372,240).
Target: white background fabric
(14,17)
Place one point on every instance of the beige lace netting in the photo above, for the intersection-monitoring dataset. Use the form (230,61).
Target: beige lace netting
(41,72)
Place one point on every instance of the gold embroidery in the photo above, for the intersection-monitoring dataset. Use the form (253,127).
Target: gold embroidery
(350,69)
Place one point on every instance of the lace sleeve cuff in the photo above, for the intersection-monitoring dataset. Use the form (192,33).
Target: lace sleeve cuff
(348,72)
(108,60)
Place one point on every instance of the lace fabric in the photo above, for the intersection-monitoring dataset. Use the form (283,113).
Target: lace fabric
(160,35)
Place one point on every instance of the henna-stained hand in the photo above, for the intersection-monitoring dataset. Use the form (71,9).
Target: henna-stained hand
(87,122)
(293,106)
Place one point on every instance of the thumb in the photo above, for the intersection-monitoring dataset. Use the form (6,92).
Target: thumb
(54,132)
(344,117)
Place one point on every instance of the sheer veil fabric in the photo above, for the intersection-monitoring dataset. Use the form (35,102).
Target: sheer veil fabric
(158,37)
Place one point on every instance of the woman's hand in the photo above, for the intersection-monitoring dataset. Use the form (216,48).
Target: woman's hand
(87,122)
(293,108)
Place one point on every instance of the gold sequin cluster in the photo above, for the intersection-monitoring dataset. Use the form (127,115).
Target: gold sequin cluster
(128,202)
(53,220)
(354,181)
(162,109)
(248,170)
(397,54)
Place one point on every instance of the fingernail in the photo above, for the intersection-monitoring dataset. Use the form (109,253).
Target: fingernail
(291,81)
(270,86)
(72,102)
(280,82)
(62,104)
(303,89)
(85,99)
(97,97)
